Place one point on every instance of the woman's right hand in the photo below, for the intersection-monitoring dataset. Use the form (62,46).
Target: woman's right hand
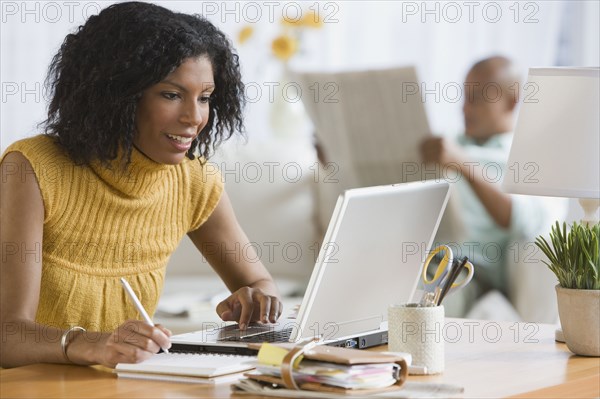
(132,342)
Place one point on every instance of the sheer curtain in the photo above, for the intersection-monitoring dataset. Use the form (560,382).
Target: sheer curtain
(440,38)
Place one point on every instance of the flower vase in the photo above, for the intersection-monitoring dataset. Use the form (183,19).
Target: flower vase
(287,115)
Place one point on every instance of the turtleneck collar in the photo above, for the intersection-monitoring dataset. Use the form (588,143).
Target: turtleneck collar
(142,176)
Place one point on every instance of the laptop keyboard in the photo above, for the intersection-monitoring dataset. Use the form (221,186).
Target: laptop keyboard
(268,336)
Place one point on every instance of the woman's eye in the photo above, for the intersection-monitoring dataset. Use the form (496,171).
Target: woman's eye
(205,99)
(170,96)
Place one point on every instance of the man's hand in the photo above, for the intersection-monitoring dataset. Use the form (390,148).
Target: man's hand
(442,151)
(447,154)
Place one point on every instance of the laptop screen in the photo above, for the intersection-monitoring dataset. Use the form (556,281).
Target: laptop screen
(371,257)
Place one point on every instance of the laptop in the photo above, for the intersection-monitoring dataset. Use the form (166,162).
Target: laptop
(371,257)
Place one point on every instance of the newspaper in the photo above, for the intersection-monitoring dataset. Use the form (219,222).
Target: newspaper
(369,125)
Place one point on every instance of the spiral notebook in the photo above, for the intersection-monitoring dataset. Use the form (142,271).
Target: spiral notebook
(188,367)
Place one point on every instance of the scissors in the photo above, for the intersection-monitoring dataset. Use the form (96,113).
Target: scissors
(443,275)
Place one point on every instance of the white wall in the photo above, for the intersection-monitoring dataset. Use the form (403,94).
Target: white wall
(441,38)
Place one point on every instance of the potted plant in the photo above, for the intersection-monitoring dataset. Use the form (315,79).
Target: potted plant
(574,257)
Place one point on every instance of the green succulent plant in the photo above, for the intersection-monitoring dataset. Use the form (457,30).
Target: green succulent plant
(574,255)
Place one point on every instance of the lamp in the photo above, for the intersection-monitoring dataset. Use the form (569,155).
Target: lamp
(556,145)
(556,152)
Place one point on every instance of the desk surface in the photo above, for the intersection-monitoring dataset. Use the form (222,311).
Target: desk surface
(490,359)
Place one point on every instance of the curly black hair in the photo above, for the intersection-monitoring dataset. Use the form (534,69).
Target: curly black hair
(97,78)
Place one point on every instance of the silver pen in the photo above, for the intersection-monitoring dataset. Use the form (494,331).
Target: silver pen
(138,305)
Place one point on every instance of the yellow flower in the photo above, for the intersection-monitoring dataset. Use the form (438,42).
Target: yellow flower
(291,22)
(287,43)
(245,34)
(312,20)
(284,47)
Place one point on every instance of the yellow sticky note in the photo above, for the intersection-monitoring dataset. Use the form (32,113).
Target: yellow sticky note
(273,355)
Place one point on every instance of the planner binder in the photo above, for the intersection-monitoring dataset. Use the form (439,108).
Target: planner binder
(346,359)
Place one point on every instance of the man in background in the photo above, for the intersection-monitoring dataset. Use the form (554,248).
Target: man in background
(496,225)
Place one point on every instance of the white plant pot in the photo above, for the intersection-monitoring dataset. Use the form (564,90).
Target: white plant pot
(579,312)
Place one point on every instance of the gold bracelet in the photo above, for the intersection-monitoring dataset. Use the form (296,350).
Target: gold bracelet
(64,343)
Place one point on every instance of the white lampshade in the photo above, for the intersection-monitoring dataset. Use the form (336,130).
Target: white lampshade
(556,146)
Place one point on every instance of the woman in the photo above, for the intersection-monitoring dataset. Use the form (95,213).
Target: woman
(113,185)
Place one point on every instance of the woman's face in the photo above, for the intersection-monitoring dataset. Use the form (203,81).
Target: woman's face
(171,113)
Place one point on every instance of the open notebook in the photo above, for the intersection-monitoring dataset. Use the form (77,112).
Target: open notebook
(188,367)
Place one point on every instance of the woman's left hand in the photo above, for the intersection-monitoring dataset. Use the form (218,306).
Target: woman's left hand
(250,304)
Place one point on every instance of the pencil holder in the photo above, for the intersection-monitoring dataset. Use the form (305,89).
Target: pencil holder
(418,330)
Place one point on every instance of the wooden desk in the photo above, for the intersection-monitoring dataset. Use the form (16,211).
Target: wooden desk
(490,359)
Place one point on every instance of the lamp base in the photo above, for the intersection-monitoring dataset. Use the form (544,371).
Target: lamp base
(590,208)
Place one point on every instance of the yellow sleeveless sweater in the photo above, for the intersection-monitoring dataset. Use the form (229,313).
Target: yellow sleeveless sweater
(102,224)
